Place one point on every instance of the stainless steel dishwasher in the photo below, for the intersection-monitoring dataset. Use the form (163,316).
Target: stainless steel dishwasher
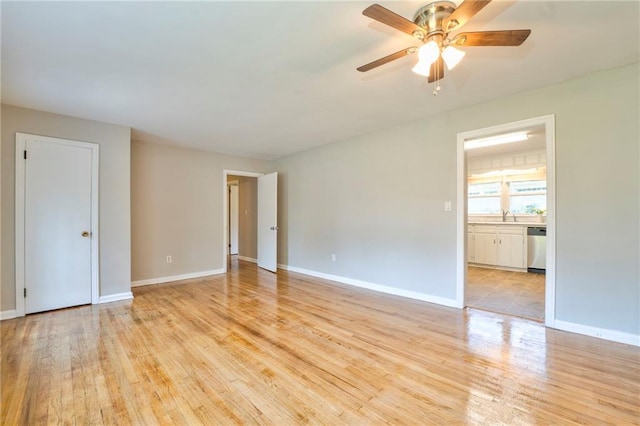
(537,249)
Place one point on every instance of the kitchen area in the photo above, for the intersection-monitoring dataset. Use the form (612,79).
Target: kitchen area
(506,229)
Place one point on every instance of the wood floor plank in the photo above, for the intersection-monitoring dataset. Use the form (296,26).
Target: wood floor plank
(252,347)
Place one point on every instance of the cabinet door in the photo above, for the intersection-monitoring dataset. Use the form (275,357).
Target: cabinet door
(511,250)
(471,247)
(485,248)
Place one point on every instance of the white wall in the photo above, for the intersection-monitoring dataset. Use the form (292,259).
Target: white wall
(377,203)
(377,200)
(115,225)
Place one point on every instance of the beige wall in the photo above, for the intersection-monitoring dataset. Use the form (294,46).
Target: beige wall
(114,141)
(376,201)
(176,208)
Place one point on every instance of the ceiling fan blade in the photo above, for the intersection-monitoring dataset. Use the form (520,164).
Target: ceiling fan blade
(492,38)
(437,70)
(463,13)
(392,19)
(386,59)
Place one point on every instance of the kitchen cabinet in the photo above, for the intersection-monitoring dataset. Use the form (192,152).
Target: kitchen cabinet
(510,251)
(499,246)
(485,245)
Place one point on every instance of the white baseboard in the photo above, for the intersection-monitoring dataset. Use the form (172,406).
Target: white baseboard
(115,297)
(248,259)
(177,277)
(5,315)
(375,287)
(602,333)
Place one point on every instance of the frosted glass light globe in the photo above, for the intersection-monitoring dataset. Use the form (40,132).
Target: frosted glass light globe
(429,52)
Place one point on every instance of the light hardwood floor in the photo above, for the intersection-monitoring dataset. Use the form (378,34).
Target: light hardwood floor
(506,292)
(257,348)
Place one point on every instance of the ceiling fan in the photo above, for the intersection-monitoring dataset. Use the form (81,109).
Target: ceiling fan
(432,25)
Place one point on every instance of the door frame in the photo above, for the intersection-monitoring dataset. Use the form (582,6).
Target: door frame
(225,209)
(21,141)
(548,121)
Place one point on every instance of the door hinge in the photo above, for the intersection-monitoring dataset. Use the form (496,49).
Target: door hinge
(25,154)
(25,292)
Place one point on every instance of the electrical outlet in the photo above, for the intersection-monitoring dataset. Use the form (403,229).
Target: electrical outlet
(447,206)
(169,259)
(333,257)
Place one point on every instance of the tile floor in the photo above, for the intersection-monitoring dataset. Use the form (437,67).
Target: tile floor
(513,293)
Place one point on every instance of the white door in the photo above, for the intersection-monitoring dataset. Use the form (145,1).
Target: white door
(233,219)
(268,222)
(57,225)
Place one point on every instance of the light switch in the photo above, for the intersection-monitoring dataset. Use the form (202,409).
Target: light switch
(447,206)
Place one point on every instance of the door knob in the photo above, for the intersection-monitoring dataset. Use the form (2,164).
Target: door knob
(86,233)
(274,228)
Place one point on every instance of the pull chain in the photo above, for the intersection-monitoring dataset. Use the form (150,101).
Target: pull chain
(437,80)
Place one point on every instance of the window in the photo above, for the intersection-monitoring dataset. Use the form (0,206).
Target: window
(484,198)
(527,196)
(507,194)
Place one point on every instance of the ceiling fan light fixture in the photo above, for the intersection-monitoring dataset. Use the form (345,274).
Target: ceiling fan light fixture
(452,56)
(428,52)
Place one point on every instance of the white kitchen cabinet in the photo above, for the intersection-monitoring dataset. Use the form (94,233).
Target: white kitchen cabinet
(511,250)
(500,246)
(485,246)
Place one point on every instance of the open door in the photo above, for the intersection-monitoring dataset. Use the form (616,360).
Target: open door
(268,222)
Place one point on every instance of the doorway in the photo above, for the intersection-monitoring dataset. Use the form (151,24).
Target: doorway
(56,223)
(242,212)
(257,218)
(500,187)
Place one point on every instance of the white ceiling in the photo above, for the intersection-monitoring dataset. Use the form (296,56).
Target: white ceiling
(265,79)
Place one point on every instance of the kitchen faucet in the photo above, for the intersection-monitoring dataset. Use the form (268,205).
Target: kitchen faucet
(504,215)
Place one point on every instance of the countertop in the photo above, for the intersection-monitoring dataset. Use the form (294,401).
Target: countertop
(539,224)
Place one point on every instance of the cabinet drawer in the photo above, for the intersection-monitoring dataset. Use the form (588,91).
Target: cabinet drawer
(486,229)
(511,230)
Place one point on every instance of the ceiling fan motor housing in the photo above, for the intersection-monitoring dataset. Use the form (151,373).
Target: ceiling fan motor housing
(431,17)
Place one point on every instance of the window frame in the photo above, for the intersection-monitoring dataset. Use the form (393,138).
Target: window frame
(505,192)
